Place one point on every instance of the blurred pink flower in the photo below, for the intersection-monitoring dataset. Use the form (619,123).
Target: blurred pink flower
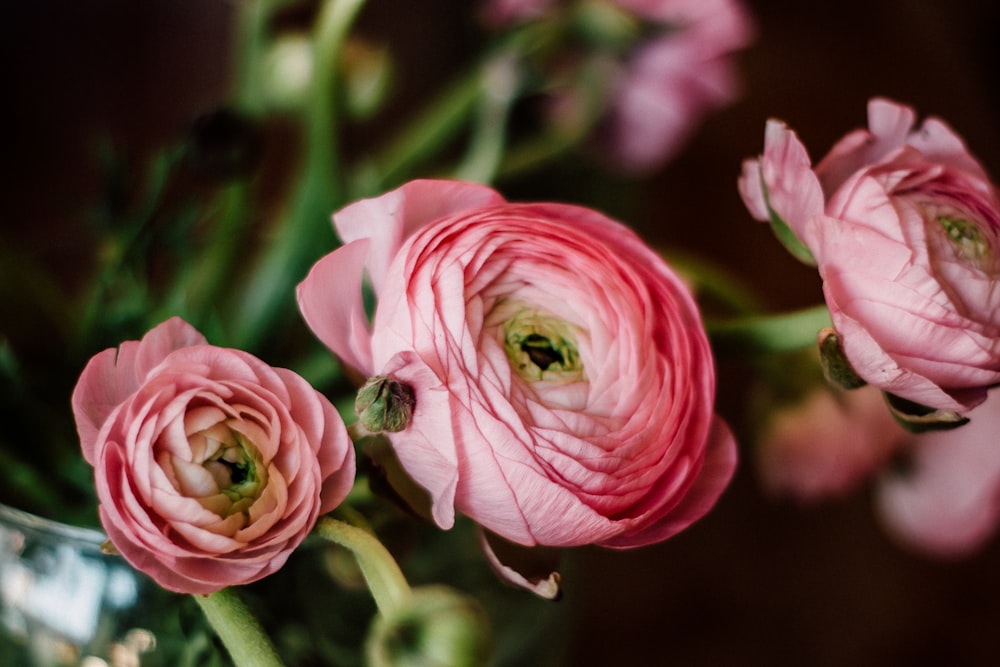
(670,82)
(563,382)
(505,12)
(904,226)
(937,493)
(211,466)
(946,500)
(828,444)
(677,68)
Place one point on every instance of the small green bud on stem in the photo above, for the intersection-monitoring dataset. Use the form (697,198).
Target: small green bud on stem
(384,404)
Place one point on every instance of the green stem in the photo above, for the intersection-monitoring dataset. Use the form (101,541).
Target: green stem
(238,629)
(785,332)
(421,138)
(212,272)
(385,580)
(300,237)
(500,88)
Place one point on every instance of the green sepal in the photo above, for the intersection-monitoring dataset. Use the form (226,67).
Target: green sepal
(836,368)
(917,418)
(783,232)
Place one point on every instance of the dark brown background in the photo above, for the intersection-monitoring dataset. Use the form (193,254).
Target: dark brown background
(759,581)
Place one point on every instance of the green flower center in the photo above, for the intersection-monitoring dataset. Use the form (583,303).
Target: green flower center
(966,238)
(542,347)
(237,473)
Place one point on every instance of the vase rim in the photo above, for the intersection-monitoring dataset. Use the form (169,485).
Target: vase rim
(50,526)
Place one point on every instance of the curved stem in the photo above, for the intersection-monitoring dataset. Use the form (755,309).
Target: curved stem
(320,188)
(418,141)
(385,580)
(238,629)
(501,85)
(784,332)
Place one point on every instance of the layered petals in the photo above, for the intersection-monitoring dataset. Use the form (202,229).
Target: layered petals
(563,382)
(210,466)
(904,227)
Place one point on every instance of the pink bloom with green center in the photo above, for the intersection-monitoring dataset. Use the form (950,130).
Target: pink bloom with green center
(904,226)
(563,384)
(211,467)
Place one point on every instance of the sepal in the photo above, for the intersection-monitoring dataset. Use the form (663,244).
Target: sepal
(917,418)
(836,368)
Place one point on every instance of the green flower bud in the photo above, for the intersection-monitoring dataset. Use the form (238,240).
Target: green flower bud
(384,404)
(437,627)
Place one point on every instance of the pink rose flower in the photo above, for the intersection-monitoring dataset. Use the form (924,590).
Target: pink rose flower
(828,444)
(562,381)
(903,225)
(211,467)
(946,500)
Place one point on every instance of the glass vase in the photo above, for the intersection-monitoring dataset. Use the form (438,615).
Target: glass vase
(63,601)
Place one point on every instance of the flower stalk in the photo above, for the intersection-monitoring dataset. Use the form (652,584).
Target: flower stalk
(385,580)
(239,629)
(783,332)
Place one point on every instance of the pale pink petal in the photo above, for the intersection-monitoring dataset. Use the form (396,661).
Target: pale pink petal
(101,388)
(389,219)
(331,302)
(946,501)
(793,190)
(827,444)
(750,185)
(161,340)
(426,448)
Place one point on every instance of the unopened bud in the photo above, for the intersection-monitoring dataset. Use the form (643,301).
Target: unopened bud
(384,404)
(288,71)
(437,627)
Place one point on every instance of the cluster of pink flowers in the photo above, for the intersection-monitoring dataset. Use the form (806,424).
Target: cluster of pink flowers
(537,366)
(663,84)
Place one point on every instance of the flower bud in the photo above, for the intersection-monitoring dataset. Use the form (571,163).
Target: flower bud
(436,627)
(288,71)
(384,404)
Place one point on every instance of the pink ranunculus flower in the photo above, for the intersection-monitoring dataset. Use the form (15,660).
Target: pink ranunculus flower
(563,382)
(937,493)
(211,467)
(904,226)
(678,67)
(827,444)
(673,80)
(946,500)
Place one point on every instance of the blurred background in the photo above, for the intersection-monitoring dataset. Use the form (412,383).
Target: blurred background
(761,580)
